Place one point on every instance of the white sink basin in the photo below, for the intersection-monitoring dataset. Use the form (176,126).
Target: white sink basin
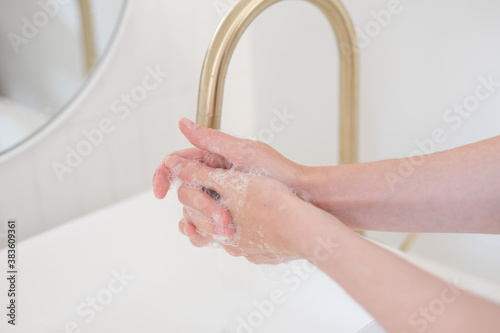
(176,287)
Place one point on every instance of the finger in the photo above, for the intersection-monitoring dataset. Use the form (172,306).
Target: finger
(198,220)
(161,178)
(199,240)
(206,225)
(262,260)
(203,203)
(210,159)
(186,228)
(235,150)
(161,181)
(199,174)
(234,251)
(182,227)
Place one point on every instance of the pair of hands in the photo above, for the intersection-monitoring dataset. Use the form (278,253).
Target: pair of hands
(238,193)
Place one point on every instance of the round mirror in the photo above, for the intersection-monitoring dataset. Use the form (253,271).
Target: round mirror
(47,50)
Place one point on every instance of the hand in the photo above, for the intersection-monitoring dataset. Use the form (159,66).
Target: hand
(265,215)
(219,150)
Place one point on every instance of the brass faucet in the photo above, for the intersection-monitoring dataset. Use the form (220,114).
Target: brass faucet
(222,47)
(224,42)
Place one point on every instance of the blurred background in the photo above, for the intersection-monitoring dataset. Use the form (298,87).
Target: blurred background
(48,50)
(415,65)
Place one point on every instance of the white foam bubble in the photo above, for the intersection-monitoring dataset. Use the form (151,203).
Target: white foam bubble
(217,218)
(198,215)
(238,182)
(201,232)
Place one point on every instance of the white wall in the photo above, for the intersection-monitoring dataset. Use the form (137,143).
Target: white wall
(426,59)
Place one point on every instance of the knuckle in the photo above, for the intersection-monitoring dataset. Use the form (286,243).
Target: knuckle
(182,194)
(200,201)
(248,152)
(194,172)
(259,145)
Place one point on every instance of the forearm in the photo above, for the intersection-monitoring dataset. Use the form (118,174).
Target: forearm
(452,191)
(401,297)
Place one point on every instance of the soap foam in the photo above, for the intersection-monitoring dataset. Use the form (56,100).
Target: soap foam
(233,178)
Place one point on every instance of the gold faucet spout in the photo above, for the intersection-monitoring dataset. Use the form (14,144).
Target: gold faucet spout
(222,47)
(226,38)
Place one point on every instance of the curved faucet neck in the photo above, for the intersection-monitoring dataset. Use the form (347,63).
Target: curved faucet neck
(227,37)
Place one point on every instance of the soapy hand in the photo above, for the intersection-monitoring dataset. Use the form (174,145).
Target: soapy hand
(230,196)
(265,214)
(219,150)
(243,210)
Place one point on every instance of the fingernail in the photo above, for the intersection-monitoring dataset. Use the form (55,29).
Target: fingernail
(189,124)
(216,216)
(172,161)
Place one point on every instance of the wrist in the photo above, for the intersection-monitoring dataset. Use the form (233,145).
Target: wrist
(316,183)
(322,238)
(349,192)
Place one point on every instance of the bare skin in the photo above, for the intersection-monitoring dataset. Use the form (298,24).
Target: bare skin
(454,183)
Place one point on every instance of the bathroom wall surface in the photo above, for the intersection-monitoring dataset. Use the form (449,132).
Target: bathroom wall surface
(109,140)
(418,60)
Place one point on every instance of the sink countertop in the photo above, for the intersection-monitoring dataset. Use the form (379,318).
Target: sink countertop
(126,268)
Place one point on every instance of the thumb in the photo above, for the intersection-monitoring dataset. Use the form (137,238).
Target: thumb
(235,150)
